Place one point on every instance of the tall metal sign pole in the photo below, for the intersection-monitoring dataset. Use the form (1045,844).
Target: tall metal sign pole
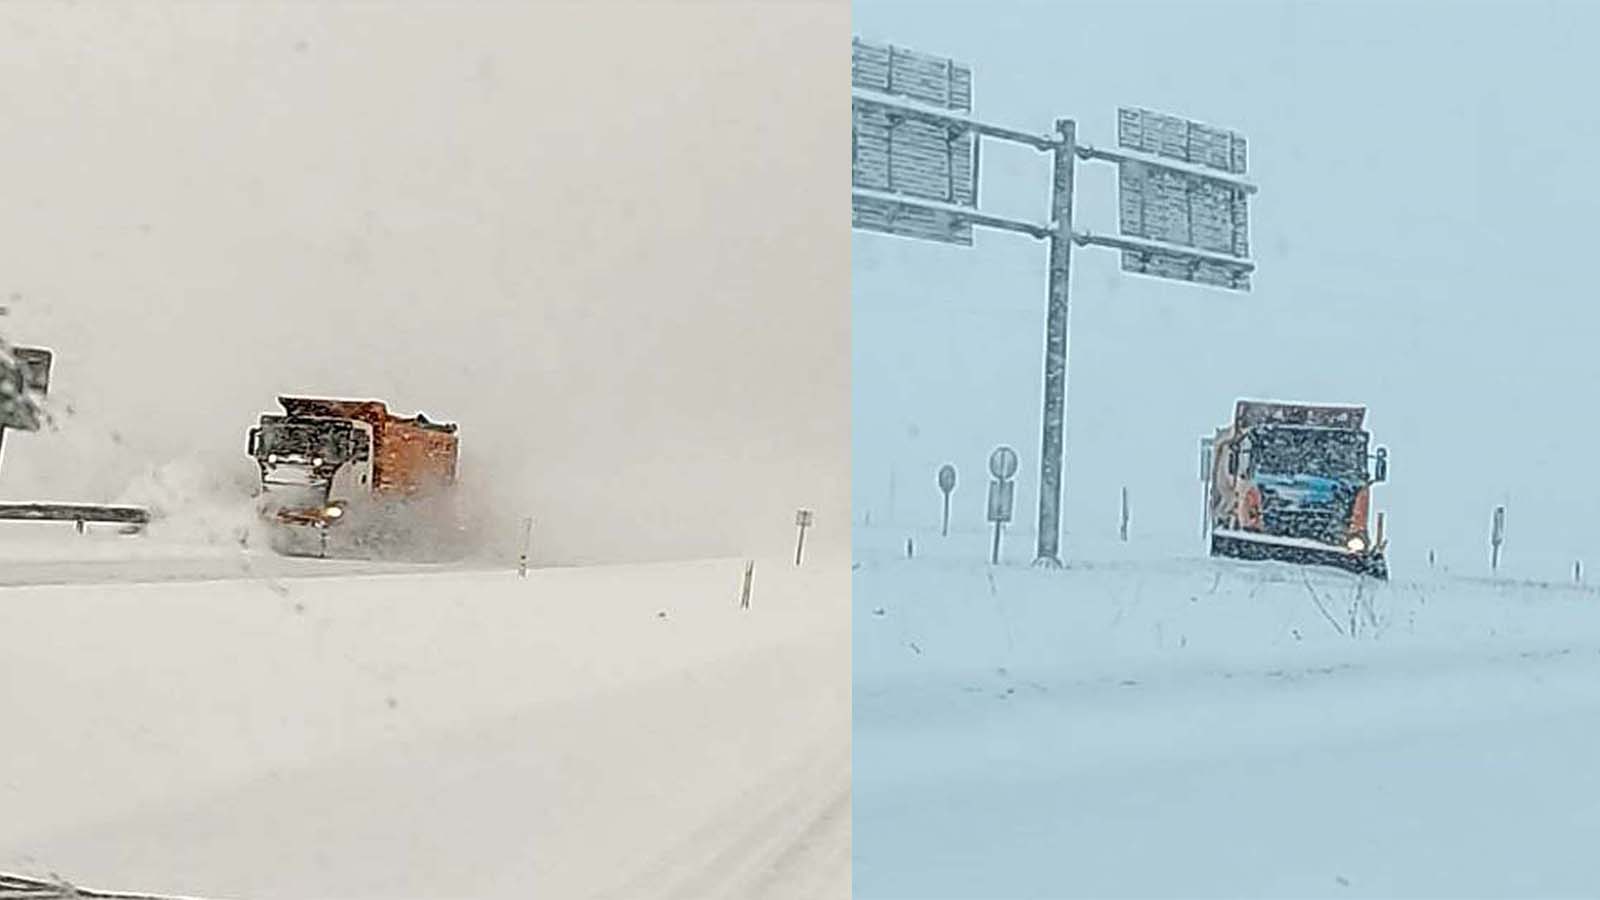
(1052,452)
(914,174)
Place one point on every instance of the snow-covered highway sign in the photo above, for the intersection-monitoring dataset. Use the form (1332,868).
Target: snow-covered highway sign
(899,150)
(1195,204)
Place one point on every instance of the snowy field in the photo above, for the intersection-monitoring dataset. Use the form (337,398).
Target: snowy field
(199,721)
(1149,725)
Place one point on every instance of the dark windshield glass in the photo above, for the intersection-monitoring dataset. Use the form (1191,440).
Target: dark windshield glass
(1310,451)
(332,442)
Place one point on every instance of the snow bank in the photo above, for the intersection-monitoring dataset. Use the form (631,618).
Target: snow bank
(1124,605)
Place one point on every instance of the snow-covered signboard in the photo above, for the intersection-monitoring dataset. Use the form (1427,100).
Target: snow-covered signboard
(24,378)
(1181,206)
(1181,139)
(1002,496)
(933,80)
(899,150)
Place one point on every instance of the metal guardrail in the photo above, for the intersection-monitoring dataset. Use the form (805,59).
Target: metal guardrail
(18,887)
(130,517)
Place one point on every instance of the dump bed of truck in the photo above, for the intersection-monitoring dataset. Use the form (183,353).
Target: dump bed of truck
(409,454)
(1250,413)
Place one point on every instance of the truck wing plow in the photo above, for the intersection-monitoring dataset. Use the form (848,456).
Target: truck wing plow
(1261,547)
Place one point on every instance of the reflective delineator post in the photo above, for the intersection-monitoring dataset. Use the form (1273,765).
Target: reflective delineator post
(1497,537)
(947,483)
(802,521)
(527,544)
(744,590)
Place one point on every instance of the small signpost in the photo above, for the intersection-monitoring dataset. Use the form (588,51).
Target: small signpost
(1123,530)
(947,483)
(802,521)
(1002,493)
(1497,536)
(527,542)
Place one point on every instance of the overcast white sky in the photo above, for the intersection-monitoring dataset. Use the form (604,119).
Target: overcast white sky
(595,234)
(1424,238)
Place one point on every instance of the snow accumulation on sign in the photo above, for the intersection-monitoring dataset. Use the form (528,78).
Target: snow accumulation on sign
(1159,134)
(1179,207)
(898,151)
(24,378)
(922,77)
(1179,267)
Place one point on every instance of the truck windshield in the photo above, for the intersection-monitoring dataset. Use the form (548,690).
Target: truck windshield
(330,441)
(1310,451)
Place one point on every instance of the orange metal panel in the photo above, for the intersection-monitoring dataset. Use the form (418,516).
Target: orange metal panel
(408,454)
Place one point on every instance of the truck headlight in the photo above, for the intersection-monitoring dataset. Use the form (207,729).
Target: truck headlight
(333,512)
(316,462)
(1356,544)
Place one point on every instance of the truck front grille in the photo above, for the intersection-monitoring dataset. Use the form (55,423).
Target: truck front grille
(1318,525)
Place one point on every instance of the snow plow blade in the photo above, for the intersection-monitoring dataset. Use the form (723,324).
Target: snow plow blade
(1305,553)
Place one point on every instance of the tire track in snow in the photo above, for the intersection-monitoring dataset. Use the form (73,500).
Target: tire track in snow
(787,837)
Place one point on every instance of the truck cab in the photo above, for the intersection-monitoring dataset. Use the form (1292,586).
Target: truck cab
(349,475)
(312,468)
(1294,482)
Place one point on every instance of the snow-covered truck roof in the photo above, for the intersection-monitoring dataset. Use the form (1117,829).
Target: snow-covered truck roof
(1249,413)
(408,453)
(373,411)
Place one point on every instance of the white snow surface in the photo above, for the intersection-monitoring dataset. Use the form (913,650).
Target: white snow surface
(1149,725)
(220,723)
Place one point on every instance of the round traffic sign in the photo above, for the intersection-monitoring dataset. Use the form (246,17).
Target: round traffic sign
(1003,463)
(947,478)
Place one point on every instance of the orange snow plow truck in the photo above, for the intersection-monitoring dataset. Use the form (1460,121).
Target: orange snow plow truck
(348,476)
(1291,482)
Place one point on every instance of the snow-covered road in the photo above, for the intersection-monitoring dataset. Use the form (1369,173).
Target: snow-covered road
(191,568)
(616,731)
(1182,728)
